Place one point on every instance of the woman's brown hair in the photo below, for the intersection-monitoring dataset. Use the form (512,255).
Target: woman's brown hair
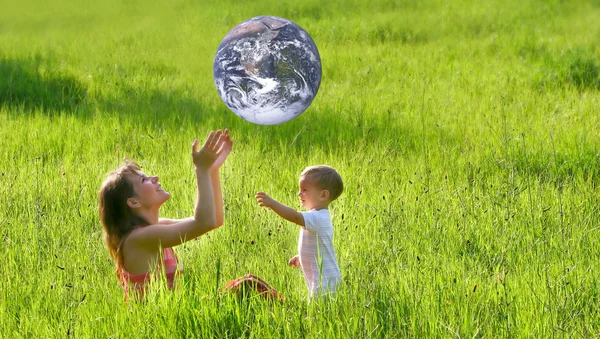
(118,220)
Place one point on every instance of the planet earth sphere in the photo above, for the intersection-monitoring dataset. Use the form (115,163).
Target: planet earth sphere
(267,70)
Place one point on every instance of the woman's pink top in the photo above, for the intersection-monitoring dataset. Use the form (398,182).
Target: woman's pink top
(139,282)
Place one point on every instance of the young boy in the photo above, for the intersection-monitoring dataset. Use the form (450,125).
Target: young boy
(319,186)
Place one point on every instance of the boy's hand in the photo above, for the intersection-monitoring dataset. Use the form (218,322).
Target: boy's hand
(225,150)
(264,199)
(206,156)
(294,262)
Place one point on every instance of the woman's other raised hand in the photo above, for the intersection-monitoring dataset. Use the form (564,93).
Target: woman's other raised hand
(210,152)
(224,152)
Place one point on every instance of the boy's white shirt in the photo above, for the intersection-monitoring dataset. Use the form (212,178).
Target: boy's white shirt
(316,253)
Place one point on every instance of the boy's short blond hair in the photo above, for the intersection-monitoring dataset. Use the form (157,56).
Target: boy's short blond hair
(326,177)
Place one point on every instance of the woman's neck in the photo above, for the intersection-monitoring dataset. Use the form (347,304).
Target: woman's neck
(151,216)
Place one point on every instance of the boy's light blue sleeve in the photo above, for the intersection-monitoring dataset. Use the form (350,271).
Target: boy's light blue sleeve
(310,220)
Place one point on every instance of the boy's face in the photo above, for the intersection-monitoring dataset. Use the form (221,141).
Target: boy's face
(311,195)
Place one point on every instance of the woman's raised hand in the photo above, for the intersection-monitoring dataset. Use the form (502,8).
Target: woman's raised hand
(210,152)
(225,150)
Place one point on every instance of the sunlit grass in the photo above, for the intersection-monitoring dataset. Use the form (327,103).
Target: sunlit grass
(466,134)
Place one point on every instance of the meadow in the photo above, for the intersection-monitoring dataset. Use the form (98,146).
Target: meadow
(467,134)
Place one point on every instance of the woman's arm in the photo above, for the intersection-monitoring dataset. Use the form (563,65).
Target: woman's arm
(216,180)
(204,219)
(218,196)
(216,183)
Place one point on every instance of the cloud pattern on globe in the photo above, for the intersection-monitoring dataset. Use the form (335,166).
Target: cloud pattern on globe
(267,70)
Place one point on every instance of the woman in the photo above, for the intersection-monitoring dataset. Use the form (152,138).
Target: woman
(141,243)
(138,240)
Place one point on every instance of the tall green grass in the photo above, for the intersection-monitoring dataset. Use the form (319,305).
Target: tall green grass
(466,133)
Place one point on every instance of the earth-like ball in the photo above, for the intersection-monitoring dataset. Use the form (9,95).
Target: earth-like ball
(267,70)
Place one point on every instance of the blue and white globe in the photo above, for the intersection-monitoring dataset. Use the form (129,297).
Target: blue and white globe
(267,70)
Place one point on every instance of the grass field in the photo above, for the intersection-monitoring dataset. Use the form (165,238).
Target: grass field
(467,134)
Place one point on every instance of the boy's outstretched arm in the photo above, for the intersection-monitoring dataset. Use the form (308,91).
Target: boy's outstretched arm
(282,210)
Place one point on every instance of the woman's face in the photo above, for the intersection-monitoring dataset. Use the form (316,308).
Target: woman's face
(148,191)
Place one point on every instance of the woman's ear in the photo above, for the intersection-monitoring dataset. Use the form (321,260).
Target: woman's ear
(133,203)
